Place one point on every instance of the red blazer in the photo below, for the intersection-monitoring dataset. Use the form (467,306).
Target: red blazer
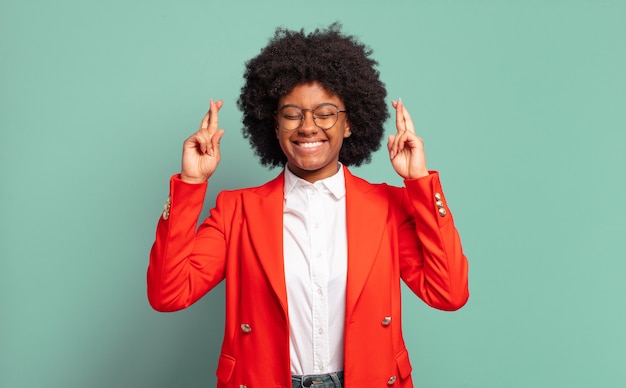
(393,233)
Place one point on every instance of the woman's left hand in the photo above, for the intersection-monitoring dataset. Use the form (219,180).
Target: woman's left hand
(406,149)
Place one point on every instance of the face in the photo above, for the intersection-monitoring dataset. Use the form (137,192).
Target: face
(312,153)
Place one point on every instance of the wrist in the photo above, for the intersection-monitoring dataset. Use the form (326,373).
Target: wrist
(191,180)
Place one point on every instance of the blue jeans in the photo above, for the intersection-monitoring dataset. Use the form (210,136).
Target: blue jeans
(330,380)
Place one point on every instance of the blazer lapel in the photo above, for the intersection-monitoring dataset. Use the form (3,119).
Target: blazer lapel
(366,214)
(263,208)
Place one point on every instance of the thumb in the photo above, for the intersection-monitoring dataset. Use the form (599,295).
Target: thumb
(390,143)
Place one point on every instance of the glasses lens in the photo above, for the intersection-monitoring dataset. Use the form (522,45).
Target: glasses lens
(289,118)
(325,116)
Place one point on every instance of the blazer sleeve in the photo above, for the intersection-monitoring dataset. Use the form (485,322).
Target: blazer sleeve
(433,266)
(184,263)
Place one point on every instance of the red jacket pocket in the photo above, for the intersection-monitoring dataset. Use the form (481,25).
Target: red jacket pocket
(404,365)
(225,367)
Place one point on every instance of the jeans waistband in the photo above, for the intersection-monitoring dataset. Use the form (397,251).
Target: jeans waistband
(329,380)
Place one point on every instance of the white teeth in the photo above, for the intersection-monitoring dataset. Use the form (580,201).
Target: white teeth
(310,145)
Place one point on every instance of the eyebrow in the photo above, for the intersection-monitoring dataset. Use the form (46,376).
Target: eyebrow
(299,107)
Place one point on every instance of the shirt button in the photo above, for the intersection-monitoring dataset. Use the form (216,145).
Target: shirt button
(320,331)
(319,291)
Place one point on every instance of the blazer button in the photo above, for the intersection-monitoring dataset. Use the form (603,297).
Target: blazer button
(438,196)
(166,208)
(391,380)
(442,212)
(439,204)
(242,386)
(386,321)
(245,328)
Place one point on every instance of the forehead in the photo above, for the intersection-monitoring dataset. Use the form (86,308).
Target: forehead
(308,95)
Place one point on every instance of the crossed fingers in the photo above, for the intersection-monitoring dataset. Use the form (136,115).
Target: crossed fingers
(208,128)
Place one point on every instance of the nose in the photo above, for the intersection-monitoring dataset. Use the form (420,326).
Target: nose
(308,123)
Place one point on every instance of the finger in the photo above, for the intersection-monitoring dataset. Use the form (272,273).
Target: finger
(213,117)
(394,145)
(204,124)
(196,142)
(207,117)
(215,143)
(400,124)
(397,145)
(400,141)
(408,121)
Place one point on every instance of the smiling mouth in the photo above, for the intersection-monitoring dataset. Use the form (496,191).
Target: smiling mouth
(310,144)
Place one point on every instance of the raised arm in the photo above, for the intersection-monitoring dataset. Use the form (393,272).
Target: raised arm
(185,263)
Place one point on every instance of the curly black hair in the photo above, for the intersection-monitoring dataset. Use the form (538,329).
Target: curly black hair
(338,62)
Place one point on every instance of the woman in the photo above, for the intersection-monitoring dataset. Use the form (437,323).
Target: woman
(312,259)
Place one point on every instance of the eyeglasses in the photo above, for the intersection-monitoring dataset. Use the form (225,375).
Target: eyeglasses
(291,117)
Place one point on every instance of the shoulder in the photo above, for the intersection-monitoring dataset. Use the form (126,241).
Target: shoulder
(362,183)
(272,187)
(356,184)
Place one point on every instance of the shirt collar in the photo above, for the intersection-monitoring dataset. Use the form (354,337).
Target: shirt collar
(335,184)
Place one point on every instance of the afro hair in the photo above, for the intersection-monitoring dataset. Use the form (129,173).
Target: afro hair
(338,62)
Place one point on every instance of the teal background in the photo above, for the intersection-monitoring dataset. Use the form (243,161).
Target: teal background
(522,109)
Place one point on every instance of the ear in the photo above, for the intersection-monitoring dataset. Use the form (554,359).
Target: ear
(275,127)
(346,130)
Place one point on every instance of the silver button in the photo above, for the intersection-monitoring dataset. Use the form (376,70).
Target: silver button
(439,204)
(442,212)
(391,380)
(242,386)
(438,196)
(386,321)
(245,328)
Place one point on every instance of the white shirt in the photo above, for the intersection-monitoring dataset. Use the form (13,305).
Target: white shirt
(316,261)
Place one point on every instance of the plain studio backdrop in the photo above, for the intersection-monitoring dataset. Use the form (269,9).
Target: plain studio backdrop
(522,108)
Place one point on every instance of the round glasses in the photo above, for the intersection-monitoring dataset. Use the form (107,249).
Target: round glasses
(291,117)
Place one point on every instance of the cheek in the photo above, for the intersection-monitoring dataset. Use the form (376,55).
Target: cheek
(283,142)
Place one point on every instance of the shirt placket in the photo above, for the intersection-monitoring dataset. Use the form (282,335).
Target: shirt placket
(319,282)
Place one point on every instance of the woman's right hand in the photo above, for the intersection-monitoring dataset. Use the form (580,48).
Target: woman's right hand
(201,151)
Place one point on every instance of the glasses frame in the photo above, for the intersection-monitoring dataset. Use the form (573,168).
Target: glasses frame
(312,110)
